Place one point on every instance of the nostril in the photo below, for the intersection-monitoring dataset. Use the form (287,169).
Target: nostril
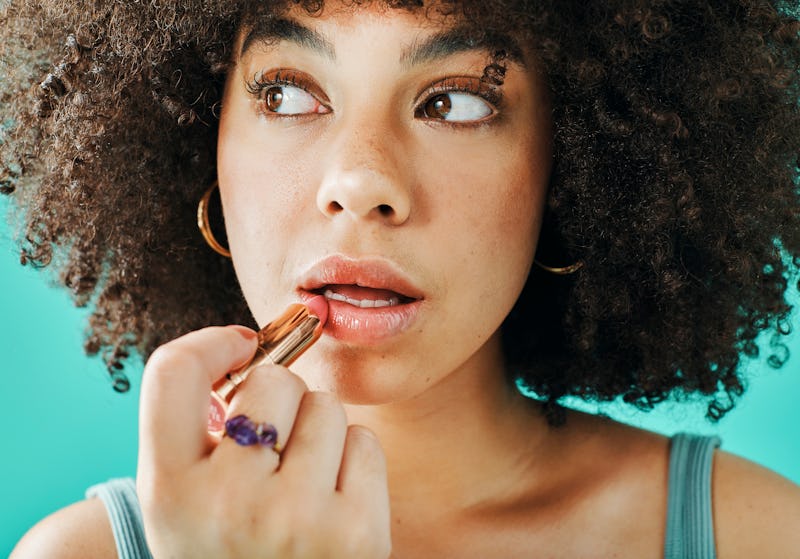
(386,210)
(335,207)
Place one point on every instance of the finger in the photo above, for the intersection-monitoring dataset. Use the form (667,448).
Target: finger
(362,477)
(175,393)
(271,394)
(314,450)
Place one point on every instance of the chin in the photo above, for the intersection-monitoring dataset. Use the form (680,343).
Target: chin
(356,380)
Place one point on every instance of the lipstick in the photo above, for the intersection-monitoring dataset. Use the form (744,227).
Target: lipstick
(370,300)
(280,342)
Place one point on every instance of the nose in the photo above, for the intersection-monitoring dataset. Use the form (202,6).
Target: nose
(363,181)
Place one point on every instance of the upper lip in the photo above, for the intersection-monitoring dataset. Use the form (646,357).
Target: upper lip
(374,273)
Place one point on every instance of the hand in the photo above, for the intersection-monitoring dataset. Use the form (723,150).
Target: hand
(325,495)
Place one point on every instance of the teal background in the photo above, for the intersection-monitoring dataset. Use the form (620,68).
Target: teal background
(66,429)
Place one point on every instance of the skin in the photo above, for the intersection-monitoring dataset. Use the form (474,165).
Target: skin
(478,189)
(415,446)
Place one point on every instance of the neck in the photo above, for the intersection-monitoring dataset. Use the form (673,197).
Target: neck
(463,442)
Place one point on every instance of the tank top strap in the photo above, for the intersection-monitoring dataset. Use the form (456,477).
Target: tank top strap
(125,515)
(690,522)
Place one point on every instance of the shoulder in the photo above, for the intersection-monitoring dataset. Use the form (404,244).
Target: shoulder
(756,511)
(79,531)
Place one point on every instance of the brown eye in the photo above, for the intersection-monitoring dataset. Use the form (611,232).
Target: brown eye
(273,98)
(278,100)
(438,106)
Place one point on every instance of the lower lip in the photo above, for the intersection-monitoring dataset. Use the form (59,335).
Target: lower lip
(367,326)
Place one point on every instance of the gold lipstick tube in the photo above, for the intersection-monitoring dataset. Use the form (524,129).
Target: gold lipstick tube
(280,342)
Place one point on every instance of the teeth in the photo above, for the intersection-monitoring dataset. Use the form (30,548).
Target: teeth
(364,304)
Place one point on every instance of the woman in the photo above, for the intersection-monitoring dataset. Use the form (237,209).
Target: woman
(411,165)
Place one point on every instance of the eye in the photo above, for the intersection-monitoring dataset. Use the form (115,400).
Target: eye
(455,107)
(291,100)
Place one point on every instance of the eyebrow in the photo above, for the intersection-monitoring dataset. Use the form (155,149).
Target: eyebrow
(273,30)
(457,40)
(270,31)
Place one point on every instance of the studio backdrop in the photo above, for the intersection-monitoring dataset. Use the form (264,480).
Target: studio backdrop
(66,429)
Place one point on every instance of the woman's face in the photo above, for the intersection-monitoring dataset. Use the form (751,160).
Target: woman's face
(369,156)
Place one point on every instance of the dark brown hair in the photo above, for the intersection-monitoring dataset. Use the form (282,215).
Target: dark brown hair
(674,182)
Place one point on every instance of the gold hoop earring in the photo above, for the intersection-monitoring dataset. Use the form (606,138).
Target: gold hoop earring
(565,271)
(203,225)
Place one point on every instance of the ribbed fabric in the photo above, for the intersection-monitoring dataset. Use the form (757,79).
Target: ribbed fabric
(690,526)
(122,506)
(690,523)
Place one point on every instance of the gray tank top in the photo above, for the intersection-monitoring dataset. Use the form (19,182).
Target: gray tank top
(690,526)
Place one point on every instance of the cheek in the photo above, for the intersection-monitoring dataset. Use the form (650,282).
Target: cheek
(261,183)
(514,204)
(494,203)
(498,230)
(264,201)
(507,232)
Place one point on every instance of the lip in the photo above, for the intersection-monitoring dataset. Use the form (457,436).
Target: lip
(363,326)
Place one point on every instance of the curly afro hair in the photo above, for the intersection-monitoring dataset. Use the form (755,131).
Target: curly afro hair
(676,136)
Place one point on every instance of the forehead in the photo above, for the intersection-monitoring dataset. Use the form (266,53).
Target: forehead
(434,13)
(426,34)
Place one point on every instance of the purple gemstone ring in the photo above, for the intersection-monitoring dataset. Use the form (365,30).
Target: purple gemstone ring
(247,432)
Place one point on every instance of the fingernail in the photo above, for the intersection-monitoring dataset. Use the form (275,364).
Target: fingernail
(244,331)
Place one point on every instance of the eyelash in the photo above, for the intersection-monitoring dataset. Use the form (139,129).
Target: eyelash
(473,86)
(493,95)
(262,83)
